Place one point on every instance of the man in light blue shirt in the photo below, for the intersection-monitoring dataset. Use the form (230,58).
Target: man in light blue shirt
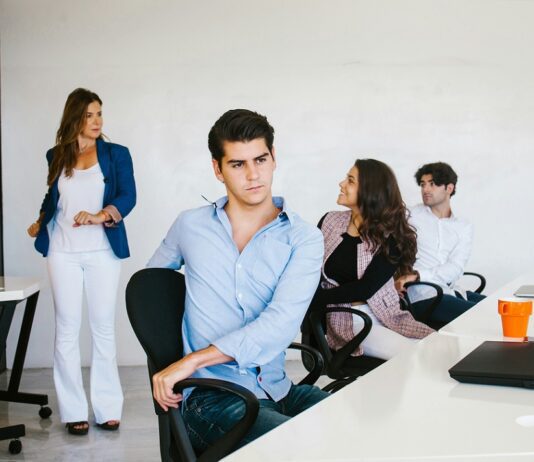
(251,269)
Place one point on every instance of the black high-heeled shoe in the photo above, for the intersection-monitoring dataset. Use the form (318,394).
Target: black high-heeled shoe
(108,426)
(78,428)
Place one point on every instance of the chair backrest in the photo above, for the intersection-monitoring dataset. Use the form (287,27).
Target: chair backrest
(155,303)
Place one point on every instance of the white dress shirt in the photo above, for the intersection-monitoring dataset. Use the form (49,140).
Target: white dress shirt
(443,248)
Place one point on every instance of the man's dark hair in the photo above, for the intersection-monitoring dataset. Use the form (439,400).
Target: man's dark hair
(238,125)
(442,174)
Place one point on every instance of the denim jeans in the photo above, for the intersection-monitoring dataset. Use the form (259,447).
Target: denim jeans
(450,306)
(209,414)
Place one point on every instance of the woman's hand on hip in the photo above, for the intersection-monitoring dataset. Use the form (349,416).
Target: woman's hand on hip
(34,228)
(86,218)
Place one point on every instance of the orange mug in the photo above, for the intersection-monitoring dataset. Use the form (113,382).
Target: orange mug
(514,316)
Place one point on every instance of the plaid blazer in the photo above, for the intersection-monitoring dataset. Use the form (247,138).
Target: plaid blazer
(384,304)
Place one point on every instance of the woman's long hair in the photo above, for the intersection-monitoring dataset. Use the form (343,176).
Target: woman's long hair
(72,124)
(384,213)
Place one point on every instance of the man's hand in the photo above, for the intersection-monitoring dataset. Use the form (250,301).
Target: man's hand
(164,381)
(399,283)
(86,218)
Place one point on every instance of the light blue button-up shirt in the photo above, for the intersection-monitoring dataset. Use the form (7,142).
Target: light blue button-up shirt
(250,304)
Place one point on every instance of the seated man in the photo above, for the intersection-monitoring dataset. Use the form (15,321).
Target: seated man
(251,269)
(443,244)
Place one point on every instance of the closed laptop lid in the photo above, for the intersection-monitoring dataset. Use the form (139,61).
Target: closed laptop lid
(525,291)
(498,363)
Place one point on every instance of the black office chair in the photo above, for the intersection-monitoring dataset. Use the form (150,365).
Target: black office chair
(155,304)
(482,281)
(426,315)
(340,365)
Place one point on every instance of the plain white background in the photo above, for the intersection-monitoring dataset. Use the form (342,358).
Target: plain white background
(405,82)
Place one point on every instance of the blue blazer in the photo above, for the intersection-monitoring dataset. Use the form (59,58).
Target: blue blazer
(119,191)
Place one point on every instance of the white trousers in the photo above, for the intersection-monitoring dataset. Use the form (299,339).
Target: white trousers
(381,342)
(98,273)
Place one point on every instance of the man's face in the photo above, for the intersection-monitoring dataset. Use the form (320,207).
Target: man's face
(432,194)
(247,171)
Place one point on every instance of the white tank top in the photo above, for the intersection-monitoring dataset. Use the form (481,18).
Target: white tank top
(84,190)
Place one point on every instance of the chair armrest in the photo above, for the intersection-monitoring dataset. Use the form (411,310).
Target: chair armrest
(340,356)
(318,363)
(425,316)
(231,439)
(482,284)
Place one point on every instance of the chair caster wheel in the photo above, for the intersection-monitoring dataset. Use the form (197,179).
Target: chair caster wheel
(45,412)
(15,446)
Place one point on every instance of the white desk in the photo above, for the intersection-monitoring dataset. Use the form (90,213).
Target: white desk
(17,288)
(483,321)
(407,409)
(12,291)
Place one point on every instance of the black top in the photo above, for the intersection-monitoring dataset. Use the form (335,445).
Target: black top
(342,266)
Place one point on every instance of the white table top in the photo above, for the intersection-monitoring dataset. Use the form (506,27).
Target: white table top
(17,288)
(483,320)
(408,409)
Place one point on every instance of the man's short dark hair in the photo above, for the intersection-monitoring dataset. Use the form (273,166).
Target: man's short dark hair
(442,174)
(238,125)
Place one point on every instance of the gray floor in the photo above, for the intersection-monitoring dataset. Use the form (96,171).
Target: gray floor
(47,439)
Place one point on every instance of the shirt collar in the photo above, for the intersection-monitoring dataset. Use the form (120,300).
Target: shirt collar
(429,210)
(278,201)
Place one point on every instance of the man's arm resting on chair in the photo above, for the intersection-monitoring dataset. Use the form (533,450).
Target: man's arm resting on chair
(164,380)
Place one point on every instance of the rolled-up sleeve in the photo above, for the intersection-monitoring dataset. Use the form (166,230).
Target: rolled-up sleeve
(264,338)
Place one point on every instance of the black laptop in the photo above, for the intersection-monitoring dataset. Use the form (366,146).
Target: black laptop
(498,363)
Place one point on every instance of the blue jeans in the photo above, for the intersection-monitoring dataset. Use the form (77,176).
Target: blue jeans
(209,414)
(450,307)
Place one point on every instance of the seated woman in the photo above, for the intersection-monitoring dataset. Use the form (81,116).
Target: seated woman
(364,247)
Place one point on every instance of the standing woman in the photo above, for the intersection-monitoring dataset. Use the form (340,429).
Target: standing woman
(365,247)
(81,231)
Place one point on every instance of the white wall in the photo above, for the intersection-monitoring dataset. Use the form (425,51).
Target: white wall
(406,82)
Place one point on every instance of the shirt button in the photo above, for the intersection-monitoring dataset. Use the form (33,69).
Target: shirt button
(239,265)
(259,379)
(240,295)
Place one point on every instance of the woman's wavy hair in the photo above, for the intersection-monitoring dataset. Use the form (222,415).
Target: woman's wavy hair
(72,124)
(384,213)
